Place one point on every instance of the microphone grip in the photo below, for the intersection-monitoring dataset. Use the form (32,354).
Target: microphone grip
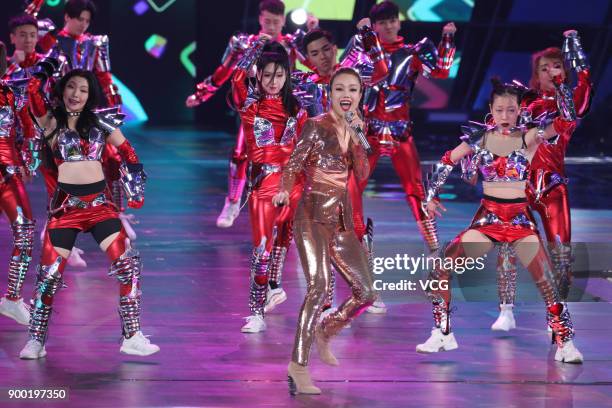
(348,116)
(362,139)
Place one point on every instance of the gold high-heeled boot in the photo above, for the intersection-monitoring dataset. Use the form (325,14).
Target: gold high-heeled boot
(323,348)
(299,380)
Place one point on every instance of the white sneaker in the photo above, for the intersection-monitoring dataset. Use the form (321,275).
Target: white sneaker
(274,298)
(438,342)
(16,310)
(127,220)
(228,214)
(138,345)
(75,259)
(569,353)
(254,324)
(377,307)
(505,321)
(33,350)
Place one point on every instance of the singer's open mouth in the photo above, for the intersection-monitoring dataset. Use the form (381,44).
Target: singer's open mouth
(345,105)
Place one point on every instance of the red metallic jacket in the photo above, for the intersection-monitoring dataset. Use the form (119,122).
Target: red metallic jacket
(550,156)
(270,131)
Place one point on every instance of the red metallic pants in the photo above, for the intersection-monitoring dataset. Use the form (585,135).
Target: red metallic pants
(554,209)
(407,165)
(15,203)
(265,216)
(237,168)
(12,195)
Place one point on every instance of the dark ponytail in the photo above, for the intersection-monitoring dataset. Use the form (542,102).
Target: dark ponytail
(275,53)
(500,88)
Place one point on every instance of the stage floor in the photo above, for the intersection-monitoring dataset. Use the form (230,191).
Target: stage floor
(195,289)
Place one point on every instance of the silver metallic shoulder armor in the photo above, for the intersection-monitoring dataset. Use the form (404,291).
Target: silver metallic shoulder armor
(103,56)
(238,44)
(428,54)
(110,119)
(309,93)
(574,54)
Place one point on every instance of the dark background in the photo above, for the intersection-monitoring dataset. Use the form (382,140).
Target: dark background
(497,37)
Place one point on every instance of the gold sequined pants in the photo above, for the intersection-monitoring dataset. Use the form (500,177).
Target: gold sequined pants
(319,245)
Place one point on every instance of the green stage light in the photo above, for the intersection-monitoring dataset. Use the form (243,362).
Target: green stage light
(341,10)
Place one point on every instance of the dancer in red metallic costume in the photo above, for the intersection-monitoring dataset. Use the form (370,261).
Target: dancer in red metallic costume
(271,22)
(387,107)
(547,188)
(501,154)
(272,120)
(75,48)
(388,110)
(24,35)
(76,135)
(14,201)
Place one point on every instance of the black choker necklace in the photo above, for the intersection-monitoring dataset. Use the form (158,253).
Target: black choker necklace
(73,114)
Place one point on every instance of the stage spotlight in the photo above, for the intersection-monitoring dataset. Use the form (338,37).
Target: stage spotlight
(299,16)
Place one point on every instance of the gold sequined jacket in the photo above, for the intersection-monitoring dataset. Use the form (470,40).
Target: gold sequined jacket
(326,171)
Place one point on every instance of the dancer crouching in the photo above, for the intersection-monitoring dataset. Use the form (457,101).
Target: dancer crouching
(501,154)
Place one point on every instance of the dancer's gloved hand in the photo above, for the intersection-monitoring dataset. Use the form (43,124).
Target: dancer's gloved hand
(433,208)
(312,22)
(364,22)
(18,56)
(569,33)
(449,28)
(136,203)
(280,199)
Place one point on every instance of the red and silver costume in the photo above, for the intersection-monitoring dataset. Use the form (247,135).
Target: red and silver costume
(387,106)
(21,71)
(270,136)
(238,45)
(547,188)
(88,52)
(312,88)
(14,201)
(501,220)
(84,212)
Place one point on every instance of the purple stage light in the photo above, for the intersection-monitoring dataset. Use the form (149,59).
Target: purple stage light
(141,7)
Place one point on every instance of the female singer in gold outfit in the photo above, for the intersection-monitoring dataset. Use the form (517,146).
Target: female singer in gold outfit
(326,153)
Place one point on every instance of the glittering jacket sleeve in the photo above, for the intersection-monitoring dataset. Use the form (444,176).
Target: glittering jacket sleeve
(359,161)
(296,163)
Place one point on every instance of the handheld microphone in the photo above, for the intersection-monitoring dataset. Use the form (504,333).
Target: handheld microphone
(348,116)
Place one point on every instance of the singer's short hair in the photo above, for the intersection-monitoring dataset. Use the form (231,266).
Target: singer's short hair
(346,70)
